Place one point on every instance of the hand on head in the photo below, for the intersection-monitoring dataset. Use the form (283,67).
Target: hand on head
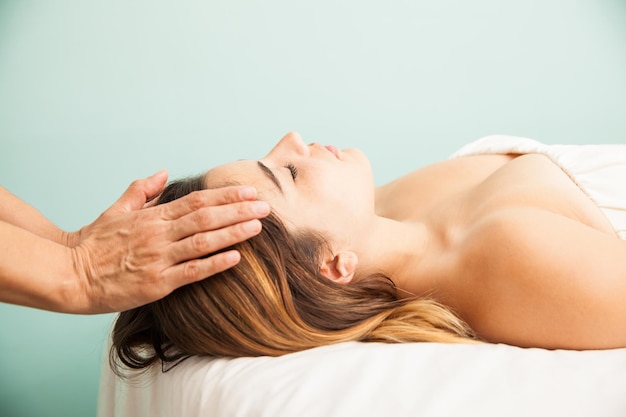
(135,253)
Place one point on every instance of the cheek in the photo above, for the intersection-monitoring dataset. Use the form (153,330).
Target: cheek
(340,190)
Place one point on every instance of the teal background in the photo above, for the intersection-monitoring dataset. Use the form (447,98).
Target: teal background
(96,94)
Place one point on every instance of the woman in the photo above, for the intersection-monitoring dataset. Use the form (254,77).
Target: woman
(510,241)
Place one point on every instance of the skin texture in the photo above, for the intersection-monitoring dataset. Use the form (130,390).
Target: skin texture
(507,241)
(324,183)
(131,255)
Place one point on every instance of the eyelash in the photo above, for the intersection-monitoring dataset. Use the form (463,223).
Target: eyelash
(294,171)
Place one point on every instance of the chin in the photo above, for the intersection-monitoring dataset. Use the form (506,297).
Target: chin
(359,157)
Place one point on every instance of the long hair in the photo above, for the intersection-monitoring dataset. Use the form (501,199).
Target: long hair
(274,302)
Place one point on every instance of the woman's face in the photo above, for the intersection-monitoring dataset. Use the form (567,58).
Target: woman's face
(309,186)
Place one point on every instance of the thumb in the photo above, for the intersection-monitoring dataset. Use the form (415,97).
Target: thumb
(141,191)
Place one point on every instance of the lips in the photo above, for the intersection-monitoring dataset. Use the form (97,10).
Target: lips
(333,150)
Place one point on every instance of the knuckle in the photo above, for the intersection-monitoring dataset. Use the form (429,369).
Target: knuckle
(191,270)
(195,200)
(200,243)
(229,194)
(239,232)
(244,210)
(204,218)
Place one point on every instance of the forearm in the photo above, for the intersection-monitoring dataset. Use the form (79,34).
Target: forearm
(37,272)
(18,213)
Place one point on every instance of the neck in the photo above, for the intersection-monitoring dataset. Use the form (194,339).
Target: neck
(396,249)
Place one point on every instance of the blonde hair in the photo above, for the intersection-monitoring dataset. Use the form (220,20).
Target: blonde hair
(274,302)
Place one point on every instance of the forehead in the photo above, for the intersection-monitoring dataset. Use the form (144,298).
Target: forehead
(245,172)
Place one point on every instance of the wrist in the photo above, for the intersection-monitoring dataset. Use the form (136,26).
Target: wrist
(71,239)
(74,292)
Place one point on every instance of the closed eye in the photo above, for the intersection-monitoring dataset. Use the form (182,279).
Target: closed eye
(294,171)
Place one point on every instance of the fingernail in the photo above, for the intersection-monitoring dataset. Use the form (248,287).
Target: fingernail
(232,257)
(252,226)
(261,207)
(248,193)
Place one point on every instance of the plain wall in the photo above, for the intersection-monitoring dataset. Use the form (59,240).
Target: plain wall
(96,94)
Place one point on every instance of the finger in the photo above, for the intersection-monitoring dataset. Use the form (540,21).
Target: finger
(213,218)
(206,198)
(141,191)
(202,244)
(154,185)
(152,202)
(198,269)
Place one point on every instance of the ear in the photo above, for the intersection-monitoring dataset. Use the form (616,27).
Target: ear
(341,267)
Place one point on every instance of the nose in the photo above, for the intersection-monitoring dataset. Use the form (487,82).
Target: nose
(292,142)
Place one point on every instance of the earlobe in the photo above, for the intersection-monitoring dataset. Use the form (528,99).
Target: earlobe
(341,268)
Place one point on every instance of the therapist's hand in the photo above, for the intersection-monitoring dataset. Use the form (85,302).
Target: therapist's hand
(134,254)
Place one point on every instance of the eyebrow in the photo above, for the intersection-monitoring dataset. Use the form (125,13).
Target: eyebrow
(268,172)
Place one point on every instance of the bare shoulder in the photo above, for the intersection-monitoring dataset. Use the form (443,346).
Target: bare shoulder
(530,277)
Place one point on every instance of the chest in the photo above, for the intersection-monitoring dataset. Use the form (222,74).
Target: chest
(452,196)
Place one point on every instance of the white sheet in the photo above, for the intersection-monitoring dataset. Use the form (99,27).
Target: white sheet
(362,379)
